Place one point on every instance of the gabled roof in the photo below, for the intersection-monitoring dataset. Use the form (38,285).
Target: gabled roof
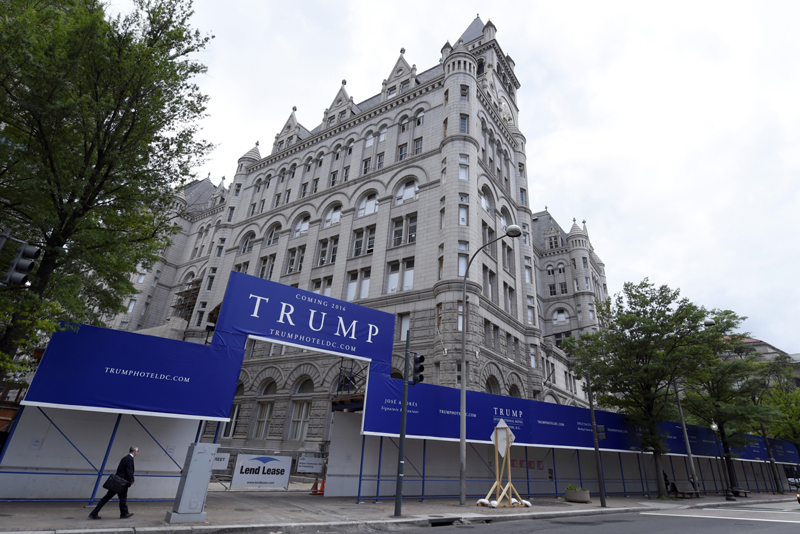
(474,31)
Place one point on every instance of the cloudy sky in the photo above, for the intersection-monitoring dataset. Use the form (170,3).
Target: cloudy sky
(672,128)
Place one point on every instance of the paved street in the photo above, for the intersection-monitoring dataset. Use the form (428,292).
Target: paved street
(776,518)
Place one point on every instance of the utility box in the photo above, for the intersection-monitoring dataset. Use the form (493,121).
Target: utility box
(191,498)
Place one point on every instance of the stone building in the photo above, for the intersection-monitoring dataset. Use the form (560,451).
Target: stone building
(383,203)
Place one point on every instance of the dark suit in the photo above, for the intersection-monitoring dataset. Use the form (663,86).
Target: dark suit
(124,470)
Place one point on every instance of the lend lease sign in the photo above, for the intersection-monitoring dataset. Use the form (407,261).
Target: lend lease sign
(253,471)
(267,310)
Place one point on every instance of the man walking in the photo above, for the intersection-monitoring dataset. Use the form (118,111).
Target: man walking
(125,470)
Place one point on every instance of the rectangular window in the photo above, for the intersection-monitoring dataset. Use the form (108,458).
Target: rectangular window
(209,283)
(444,127)
(263,419)
(370,141)
(228,428)
(441,268)
(393,277)
(411,226)
(287,196)
(199,321)
(460,316)
(276,200)
(334,175)
(303,190)
(131,305)
(587,282)
(408,274)
(230,215)
(379,161)
(563,286)
(391,92)
(463,215)
(352,286)
(397,232)
(322,255)
(441,219)
(404,87)
(464,124)
(327,284)
(252,210)
(402,152)
(404,323)
(463,172)
(142,276)
(266,266)
(531,314)
(528,275)
(301,412)
(219,252)
(462,264)
(585,264)
(365,274)
(523,197)
(290,262)
(365,166)
(261,206)
(315,185)
(155,279)
(418,146)
(345,174)
(237,189)
(552,288)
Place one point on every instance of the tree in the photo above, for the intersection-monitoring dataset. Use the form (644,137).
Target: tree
(787,425)
(99,125)
(727,388)
(649,337)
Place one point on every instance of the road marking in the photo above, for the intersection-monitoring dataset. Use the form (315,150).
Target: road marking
(722,517)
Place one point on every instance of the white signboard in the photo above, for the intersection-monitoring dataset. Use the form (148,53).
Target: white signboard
(308,464)
(500,435)
(221,460)
(253,471)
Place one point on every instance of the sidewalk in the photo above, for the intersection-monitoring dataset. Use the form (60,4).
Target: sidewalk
(287,512)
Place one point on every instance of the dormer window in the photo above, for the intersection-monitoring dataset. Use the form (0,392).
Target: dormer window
(342,116)
(280,145)
(404,87)
(331,120)
(289,141)
(392,91)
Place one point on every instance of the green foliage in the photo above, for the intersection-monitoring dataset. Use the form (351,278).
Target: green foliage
(572,487)
(649,338)
(787,424)
(99,129)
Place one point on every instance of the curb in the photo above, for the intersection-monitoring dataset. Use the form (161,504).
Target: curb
(376,524)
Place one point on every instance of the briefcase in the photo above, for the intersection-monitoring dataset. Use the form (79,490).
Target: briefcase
(115,483)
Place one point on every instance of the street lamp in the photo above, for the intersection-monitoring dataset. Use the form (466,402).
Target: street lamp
(511,231)
(706,323)
(728,494)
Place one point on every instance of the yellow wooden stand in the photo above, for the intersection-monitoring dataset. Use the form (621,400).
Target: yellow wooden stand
(505,467)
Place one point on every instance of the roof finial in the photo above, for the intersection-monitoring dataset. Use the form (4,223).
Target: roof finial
(545,208)
(573,219)
(584,221)
(294,108)
(477,15)
(344,82)
(402,50)
(256,143)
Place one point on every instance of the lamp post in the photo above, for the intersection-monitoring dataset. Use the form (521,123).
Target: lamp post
(511,231)
(728,494)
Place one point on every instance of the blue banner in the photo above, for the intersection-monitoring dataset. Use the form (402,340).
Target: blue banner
(434,413)
(291,316)
(98,369)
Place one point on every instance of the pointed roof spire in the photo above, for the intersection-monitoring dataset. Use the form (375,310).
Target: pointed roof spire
(253,153)
(474,31)
(575,230)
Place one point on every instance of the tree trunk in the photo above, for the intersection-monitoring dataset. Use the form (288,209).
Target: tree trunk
(773,466)
(733,483)
(662,486)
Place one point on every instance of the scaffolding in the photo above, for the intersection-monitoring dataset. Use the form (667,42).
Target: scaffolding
(186,299)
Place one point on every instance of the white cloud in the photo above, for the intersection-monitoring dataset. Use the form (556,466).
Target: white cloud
(672,128)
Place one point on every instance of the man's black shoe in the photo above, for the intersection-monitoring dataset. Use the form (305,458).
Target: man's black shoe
(126,516)
(92,516)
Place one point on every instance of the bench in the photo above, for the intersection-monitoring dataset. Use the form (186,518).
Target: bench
(683,489)
(739,492)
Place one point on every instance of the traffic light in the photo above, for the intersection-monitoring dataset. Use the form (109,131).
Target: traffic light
(21,265)
(416,372)
(601,432)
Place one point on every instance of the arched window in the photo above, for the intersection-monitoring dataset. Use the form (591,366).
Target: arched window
(267,181)
(513,391)
(551,270)
(561,269)
(407,191)
(301,411)
(301,226)
(404,124)
(367,205)
(266,405)
(420,118)
(370,139)
(247,243)
(258,185)
(504,218)
(492,386)
(332,216)
(273,235)
(560,316)
(487,202)
(382,134)
(188,280)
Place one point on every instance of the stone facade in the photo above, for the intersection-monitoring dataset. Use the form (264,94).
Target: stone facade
(383,203)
